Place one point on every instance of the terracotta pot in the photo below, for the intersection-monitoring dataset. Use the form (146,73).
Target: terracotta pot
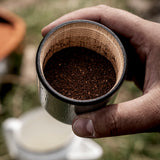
(12,31)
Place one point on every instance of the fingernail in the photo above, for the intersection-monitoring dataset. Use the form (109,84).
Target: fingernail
(84,128)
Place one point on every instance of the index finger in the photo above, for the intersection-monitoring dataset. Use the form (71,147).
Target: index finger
(120,21)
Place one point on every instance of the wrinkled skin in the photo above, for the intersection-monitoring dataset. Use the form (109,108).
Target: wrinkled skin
(143,41)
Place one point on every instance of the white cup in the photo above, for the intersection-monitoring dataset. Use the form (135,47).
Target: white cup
(38,136)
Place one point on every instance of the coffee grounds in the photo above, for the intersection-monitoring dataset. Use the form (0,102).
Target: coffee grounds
(80,73)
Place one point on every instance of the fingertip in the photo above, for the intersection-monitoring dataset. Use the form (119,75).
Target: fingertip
(44,31)
(47,28)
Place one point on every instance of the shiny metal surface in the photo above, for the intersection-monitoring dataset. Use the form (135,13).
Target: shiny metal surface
(66,112)
(60,110)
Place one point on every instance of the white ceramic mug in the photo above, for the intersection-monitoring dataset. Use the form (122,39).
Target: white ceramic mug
(38,136)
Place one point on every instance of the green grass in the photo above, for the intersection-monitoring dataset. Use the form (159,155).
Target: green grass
(42,13)
(131,147)
(36,16)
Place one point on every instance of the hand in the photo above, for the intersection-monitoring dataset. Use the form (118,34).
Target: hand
(138,115)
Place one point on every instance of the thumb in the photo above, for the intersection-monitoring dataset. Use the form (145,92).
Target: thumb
(130,117)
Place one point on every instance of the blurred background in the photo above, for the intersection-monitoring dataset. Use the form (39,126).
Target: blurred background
(18,81)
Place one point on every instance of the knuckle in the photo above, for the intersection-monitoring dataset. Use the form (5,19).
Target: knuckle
(113,125)
(101,6)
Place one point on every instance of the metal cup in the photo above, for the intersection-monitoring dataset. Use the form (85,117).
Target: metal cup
(79,33)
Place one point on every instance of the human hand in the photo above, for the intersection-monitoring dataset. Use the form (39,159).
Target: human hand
(138,115)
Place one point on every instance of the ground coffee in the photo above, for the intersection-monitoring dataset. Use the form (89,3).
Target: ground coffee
(80,73)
